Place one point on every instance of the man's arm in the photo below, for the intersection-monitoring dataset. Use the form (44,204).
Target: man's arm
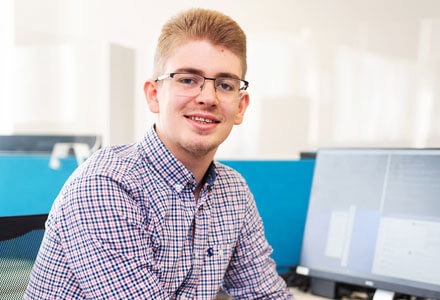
(105,241)
(251,273)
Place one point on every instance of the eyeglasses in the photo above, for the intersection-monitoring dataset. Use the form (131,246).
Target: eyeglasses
(190,85)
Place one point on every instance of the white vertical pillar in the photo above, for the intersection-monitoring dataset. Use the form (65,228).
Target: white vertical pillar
(6,65)
(424,101)
(121,88)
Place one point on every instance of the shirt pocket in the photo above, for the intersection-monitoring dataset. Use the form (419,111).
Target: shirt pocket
(219,250)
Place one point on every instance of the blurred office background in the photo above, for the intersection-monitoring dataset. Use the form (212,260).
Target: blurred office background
(322,73)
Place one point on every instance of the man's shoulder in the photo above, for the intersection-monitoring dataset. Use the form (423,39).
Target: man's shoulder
(116,162)
(225,170)
(229,176)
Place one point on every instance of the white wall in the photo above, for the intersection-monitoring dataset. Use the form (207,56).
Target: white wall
(322,73)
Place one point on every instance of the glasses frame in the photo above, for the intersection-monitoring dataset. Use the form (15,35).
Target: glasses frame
(171,75)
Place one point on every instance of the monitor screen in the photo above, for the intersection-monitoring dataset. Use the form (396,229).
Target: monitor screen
(374,220)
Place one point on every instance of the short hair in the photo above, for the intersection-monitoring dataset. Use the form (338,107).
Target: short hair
(200,24)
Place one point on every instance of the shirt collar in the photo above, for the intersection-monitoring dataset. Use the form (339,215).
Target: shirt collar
(167,165)
(211,174)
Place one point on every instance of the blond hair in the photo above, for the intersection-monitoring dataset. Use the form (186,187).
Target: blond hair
(200,24)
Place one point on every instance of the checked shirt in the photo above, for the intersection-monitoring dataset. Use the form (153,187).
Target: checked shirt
(126,226)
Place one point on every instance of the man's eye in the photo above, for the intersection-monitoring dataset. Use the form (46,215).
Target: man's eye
(187,80)
(227,85)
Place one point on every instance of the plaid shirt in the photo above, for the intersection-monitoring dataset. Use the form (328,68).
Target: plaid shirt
(126,226)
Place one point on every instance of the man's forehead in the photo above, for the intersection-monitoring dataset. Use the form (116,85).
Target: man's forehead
(202,73)
(204,58)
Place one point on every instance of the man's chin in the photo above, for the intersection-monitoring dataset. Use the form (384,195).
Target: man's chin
(201,149)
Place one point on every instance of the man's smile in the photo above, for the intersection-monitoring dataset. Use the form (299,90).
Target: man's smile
(203,119)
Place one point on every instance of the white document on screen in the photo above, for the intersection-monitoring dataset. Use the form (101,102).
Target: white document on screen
(408,249)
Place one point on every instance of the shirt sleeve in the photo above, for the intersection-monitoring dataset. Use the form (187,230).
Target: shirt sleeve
(251,273)
(104,240)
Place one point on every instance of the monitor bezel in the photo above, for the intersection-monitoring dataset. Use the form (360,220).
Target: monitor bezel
(371,283)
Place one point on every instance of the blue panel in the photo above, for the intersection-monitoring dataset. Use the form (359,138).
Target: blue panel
(28,186)
(281,190)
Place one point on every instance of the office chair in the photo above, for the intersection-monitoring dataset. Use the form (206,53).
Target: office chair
(20,239)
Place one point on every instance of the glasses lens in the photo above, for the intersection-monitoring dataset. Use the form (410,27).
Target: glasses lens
(227,85)
(228,89)
(187,84)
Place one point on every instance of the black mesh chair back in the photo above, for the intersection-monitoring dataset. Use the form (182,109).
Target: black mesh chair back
(20,239)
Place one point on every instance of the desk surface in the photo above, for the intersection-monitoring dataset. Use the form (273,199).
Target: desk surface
(300,295)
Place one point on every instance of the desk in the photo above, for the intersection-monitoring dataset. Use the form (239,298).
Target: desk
(300,295)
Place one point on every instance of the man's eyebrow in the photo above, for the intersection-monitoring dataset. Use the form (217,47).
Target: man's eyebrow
(201,73)
(189,70)
(230,75)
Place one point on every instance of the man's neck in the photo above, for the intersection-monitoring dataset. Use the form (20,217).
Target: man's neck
(197,165)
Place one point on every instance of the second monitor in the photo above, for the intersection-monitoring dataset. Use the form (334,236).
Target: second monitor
(374,220)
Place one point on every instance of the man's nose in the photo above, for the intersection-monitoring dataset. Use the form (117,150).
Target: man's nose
(208,94)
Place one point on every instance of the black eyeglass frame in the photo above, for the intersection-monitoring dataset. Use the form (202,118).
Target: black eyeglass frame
(171,75)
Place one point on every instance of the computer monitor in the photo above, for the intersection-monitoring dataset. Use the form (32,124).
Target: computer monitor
(374,220)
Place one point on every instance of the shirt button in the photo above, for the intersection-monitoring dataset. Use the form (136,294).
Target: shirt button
(178,187)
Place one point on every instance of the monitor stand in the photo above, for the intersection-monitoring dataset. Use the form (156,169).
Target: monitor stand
(323,287)
(383,295)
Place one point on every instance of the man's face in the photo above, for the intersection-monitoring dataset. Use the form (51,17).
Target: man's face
(179,124)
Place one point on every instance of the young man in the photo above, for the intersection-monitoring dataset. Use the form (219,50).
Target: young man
(160,219)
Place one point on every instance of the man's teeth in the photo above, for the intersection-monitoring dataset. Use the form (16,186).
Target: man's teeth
(203,120)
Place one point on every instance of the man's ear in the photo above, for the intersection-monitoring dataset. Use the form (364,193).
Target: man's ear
(243,104)
(150,90)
